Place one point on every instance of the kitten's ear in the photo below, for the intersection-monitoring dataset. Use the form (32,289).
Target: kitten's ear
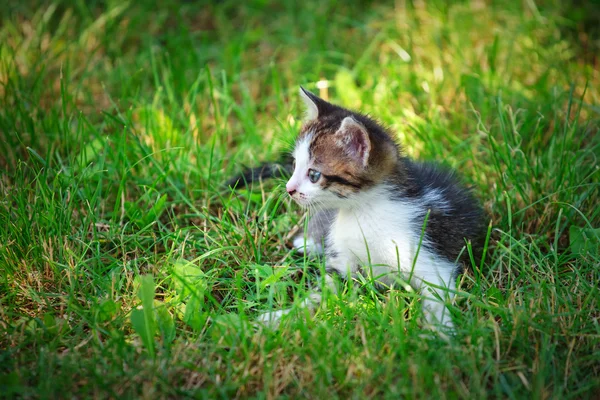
(354,138)
(315,106)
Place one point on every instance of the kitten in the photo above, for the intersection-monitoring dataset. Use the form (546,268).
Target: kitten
(372,204)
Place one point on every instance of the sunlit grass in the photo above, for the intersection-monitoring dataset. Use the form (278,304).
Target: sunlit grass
(120,123)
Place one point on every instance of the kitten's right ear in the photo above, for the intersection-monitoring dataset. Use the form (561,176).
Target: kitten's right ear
(315,106)
(354,139)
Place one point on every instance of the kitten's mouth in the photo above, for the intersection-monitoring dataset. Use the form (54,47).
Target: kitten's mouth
(301,200)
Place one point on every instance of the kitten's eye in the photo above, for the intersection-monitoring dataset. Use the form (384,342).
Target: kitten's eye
(313,175)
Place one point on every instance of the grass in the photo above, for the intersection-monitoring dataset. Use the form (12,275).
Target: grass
(127,270)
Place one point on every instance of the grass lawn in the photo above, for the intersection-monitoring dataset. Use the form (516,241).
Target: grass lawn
(128,270)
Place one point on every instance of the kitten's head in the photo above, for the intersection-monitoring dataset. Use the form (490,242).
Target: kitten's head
(338,154)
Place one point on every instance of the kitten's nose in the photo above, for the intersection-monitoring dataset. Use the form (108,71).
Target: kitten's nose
(291,189)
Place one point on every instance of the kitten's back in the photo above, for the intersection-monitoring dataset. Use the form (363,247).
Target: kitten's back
(454,212)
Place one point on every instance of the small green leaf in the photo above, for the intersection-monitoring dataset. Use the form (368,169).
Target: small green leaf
(190,284)
(166,325)
(107,310)
(188,280)
(584,240)
(140,325)
(142,320)
(146,292)
(51,324)
(261,271)
(193,314)
(276,276)
(269,275)
(155,211)
(270,281)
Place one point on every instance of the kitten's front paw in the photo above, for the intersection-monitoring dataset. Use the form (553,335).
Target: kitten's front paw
(271,319)
(307,247)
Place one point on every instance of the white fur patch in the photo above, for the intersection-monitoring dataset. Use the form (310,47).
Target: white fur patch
(307,247)
(377,232)
(301,153)
(272,319)
(299,180)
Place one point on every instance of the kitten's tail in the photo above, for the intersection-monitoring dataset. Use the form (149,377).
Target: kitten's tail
(281,169)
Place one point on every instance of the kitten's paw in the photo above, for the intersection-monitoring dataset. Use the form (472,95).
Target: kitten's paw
(307,247)
(271,319)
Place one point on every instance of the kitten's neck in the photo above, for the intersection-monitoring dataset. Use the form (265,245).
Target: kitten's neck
(395,181)
(367,200)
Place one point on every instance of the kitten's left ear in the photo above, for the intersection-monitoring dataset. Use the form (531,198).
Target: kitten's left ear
(354,138)
(315,106)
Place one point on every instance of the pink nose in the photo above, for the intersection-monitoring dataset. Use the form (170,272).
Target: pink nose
(290,189)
